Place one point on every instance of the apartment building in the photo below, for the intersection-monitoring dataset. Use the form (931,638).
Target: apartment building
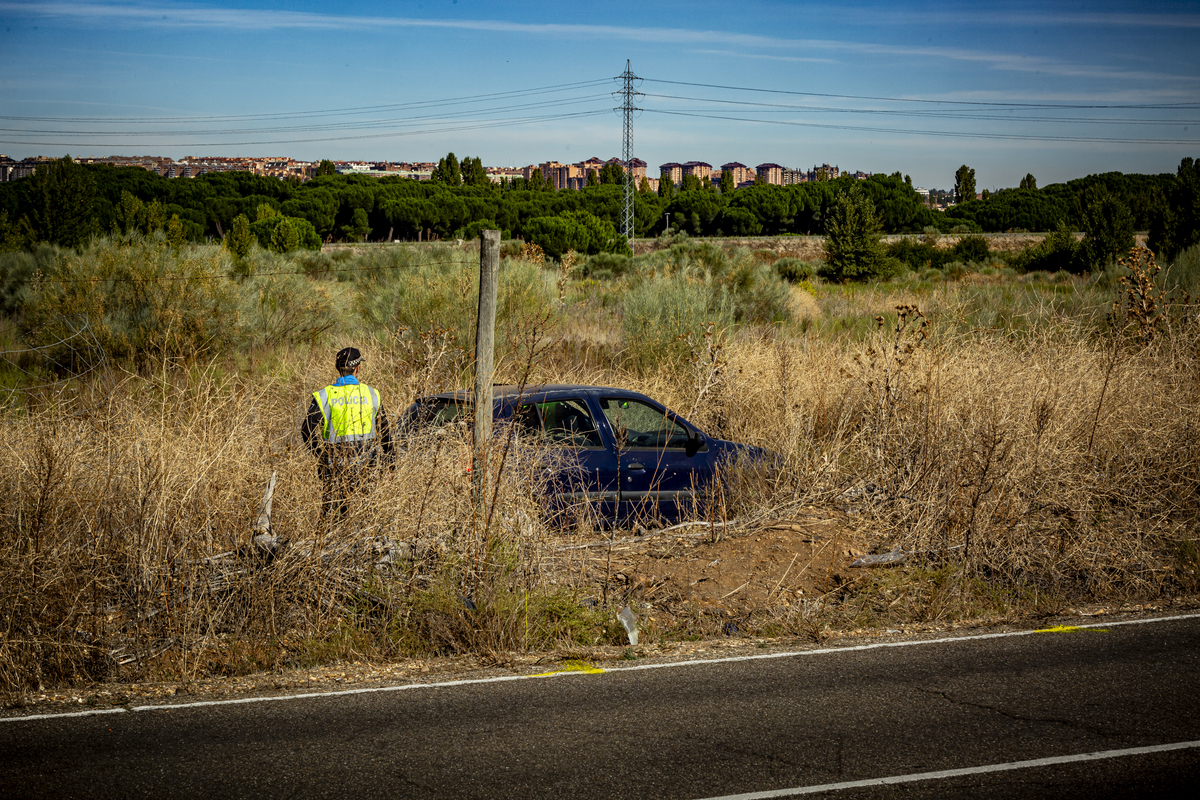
(671,171)
(498,174)
(770,173)
(739,171)
(637,168)
(11,169)
(790,177)
(699,169)
(562,176)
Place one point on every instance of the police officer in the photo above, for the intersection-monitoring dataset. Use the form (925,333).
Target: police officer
(347,430)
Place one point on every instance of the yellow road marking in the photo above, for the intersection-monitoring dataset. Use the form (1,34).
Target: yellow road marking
(573,665)
(1069,629)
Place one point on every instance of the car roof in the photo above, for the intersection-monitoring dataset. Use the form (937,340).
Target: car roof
(510,391)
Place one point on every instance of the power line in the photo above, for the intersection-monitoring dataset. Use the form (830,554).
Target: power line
(922,113)
(950,134)
(483,124)
(325,112)
(363,124)
(1188,105)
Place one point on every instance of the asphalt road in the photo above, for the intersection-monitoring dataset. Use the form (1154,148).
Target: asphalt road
(821,718)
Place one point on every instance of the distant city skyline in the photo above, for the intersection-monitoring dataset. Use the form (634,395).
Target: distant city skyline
(1062,91)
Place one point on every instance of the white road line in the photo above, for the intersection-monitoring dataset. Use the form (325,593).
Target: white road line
(635,668)
(90,713)
(954,773)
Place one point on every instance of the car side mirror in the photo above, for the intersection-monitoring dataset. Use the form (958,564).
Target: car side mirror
(694,443)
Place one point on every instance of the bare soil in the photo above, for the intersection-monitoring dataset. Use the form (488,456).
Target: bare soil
(729,574)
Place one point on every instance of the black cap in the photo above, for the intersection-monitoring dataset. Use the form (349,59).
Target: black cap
(348,358)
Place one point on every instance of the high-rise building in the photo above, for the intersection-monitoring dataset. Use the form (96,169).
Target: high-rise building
(770,173)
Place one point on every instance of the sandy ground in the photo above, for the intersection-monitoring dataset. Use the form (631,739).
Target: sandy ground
(720,573)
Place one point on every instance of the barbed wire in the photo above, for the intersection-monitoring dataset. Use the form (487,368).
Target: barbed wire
(84,328)
(37,278)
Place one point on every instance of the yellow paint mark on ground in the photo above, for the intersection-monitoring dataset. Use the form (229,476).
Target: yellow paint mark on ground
(571,666)
(1069,629)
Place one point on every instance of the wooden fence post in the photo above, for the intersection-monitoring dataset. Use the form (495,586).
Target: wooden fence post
(485,352)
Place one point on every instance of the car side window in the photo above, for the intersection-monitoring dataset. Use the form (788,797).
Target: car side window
(642,425)
(528,420)
(563,422)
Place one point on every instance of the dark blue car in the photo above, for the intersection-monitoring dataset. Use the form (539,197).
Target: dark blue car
(627,455)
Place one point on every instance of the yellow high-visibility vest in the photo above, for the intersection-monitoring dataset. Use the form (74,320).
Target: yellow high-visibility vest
(349,413)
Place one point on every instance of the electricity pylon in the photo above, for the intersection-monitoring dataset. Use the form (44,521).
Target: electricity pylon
(628,96)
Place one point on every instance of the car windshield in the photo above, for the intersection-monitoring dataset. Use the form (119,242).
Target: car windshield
(639,424)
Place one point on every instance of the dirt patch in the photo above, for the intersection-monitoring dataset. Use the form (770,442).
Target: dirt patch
(731,574)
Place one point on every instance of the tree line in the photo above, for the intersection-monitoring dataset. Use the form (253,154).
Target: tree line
(65,203)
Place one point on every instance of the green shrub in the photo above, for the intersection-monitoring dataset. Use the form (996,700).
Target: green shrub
(18,269)
(917,254)
(608,264)
(794,270)
(660,311)
(971,249)
(439,290)
(1184,272)
(759,294)
(142,298)
(277,309)
(575,230)
(282,234)
(1059,251)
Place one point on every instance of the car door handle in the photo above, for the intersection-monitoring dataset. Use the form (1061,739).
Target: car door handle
(635,466)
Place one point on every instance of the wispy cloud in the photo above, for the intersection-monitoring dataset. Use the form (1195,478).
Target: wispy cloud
(268,19)
(1016,17)
(768,57)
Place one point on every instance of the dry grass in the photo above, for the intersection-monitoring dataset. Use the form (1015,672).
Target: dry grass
(1021,471)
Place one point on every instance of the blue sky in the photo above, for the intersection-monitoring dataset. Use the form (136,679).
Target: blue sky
(1061,90)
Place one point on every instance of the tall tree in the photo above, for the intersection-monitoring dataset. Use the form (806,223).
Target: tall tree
(448,171)
(359,228)
(473,173)
(326,167)
(1107,228)
(853,237)
(964,184)
(239,240)
(539,182)
(612,173)
(1028,182)
(60,196)
(1175,219)
(727,181)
